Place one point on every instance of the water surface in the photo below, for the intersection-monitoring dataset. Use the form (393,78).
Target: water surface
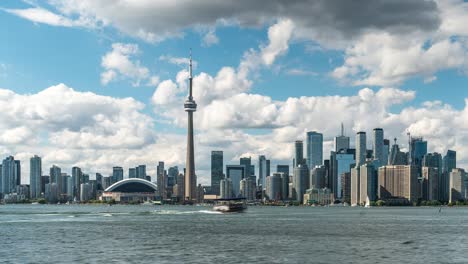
(191,234)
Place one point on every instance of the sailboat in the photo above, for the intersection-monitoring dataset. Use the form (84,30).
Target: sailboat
(367,203)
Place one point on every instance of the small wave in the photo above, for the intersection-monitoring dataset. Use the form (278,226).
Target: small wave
(209,212)
(107,215)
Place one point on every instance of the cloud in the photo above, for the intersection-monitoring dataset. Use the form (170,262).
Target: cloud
(210,38)
(301,72)
(119,64)
(44,16)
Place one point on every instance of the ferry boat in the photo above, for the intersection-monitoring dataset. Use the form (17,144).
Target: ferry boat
(230,205)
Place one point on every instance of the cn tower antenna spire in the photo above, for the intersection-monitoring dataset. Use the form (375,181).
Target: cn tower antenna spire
(190,107)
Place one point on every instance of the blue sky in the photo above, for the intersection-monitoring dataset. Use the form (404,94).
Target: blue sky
(404,63)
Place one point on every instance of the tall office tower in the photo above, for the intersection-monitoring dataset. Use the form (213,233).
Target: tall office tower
(69,187)
(45,179)
(63,183)
(235,173)
(268,167)
(161,180)
(299,153)
(99,181)
(172,173)
(55,177)
(355,186)
(378,146)
(361,148)
(339,163)
(190,177)
(85,178)
(449,163)
(457,185)
(106,182)
(314,149)
(430,184)
(247,162)
(342,141)
(141,172)
(216,170)
(10,174)
(117,174)
(273,188)
(284,185)
(385,152)
(247,189)
(226,190)
(35,173)
(417,150)
(18,172)
(132,173)
(262,171)
(51,192)
(179,188)
(301,181)
(396,156)
(400,181)
(283,168)
(368,183)
(318,177)
(346,187)
(85,192)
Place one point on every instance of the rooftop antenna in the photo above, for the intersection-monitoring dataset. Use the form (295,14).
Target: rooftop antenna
(342,129)
(190,75)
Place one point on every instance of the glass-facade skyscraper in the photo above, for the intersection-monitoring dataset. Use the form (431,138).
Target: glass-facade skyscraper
(314,145)
(216,171)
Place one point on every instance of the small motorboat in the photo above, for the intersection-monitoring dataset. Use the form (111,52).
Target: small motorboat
(230,205)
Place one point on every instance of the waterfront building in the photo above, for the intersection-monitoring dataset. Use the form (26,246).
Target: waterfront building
(449,163)
(355,186)
(77,176)
(11,172)
(216,170)
(127,190)
(55,177)
(236,173)
(361,149)
(318,177)
(22,192)
(342,141)
(226,190)
(262,171)
(51,192)
(399,181)
(172,173)
(284,185)
(378,146)
(247,162)
(397,157)
(45,179)
(161,180)
(314,149)
(368,182)
(341,162)
(457,185)
(247,188)
(322,196)
(85,192)
(418,148)
(273,188)
(35,176)
(106,182)
(346,187)
(301,181)
(430,183)
(70,189)
(299,153)
(132,173)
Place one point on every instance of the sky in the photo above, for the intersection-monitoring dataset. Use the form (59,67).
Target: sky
(101,83)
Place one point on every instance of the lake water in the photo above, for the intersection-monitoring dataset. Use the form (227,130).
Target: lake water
(191,234)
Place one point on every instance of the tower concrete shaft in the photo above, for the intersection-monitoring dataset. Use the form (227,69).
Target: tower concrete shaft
(190,177)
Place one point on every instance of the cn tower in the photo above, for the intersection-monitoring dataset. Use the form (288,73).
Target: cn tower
(190,177)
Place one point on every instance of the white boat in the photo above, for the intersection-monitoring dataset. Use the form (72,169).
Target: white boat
(230,205)
(367,203)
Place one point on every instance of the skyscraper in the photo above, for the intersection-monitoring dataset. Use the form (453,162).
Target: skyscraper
(55,177)
(385,153)
(262,171)
(273,188)
(141,171)
(342,141)
(399,181)
(314,149)
(247,162)
(449,163)
(190,177)
(161,180)
(216,170)
(378,146)
(396,156)
(283,168)
(299,153)
(117,174)
(35,173)
(457,185)
(301,181)
(10,174)
(360,148)
(418,148)
(235,173)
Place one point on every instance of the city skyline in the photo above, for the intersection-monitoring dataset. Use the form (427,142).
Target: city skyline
(81,92)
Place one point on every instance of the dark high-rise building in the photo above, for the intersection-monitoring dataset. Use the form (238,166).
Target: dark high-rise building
(117,174)
(190,177)
(9,176)
(132,173)
(216,171)
(300,181)
(141,172)
(262,171)
(247,162)
(283,168)
(268,167)
(342,141)
(449,163)
(299,153)
(361,149)
(418,148)
(77,177)
(396,156)
(378,146)
(235,173)
(55,177)
(18,172)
